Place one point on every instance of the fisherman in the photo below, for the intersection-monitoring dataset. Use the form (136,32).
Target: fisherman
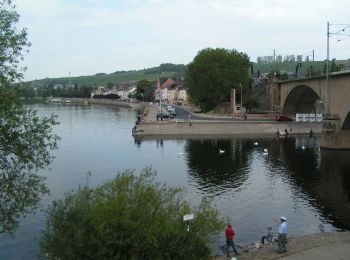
(268,236)
(282,235)
(229,233)
(311,133)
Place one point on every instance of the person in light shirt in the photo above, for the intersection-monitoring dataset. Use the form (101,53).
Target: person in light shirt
(282,235)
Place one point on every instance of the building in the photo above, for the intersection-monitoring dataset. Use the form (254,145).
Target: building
(170,91)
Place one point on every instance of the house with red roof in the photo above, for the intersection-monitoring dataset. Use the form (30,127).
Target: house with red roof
(170,91)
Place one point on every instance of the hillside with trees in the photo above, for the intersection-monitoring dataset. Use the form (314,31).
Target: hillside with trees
(103,79)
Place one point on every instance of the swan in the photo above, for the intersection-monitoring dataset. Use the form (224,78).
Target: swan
(303,147)
(256,143)
(221,151)
(265,151)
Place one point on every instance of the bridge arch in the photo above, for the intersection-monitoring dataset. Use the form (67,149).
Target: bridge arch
(302,99)
(346,123)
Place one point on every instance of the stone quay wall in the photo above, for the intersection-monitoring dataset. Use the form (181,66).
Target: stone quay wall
(210,127)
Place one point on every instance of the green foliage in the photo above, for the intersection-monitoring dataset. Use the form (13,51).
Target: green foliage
(108,96)
(145,90)
(103,79)
(12,44)
(251,103)
(129,217)
(25,139)
(213,73)
(179,69)
(25,144)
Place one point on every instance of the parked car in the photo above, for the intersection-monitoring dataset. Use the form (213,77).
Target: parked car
(164,115)
(172,112)
(283,118)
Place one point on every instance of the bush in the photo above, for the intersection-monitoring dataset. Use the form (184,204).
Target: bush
(129,217)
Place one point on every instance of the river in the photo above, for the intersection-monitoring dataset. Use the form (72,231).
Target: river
(311,187)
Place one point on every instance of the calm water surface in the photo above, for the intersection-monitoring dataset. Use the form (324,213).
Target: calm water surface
(308,186)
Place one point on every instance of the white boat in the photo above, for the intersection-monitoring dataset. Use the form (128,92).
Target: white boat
(68,101)
(56,100)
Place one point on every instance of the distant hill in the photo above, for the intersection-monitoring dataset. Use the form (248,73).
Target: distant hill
(174,70)
(163,70)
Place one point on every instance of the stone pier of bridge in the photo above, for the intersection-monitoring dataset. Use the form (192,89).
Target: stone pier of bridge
(309,95)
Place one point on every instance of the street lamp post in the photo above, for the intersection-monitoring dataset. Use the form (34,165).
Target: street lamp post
(241,99)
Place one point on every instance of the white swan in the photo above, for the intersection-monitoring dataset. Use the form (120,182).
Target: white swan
(221,151)
(266,152)
(303,147)
(256,143)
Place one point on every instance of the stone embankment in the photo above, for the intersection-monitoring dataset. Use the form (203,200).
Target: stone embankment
(333,245)
(217,127)
(87,101)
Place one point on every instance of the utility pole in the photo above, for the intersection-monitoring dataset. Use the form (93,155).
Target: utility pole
(313,55)
(328,110)
(339,32)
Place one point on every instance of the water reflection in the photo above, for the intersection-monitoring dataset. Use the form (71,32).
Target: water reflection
(294,165)
(215,165)
(20,194)
(334,186)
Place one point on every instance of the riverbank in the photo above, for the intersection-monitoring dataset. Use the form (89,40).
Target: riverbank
(332,245)
(220,125)
(87,101)
(217,127)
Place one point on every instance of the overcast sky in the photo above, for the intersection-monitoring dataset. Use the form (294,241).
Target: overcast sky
(84,37)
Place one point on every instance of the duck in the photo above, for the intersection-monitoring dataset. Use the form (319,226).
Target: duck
(265,151)
(256,143)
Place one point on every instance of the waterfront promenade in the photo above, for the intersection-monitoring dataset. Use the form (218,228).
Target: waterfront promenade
(219,125)
(322,246)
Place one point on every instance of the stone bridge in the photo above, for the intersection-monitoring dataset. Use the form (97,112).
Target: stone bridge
(309,95)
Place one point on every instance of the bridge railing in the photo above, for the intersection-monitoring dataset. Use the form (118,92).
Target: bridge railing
(257,115)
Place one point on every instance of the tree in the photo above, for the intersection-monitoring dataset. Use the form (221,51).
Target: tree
(129,217)
(144,90)
(213,73)
(25,138)
(251,103)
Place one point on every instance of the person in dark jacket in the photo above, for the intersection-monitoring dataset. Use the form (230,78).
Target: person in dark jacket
(229,233)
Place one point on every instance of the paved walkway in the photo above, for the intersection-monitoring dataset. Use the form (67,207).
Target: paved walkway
(332,245)
(332,251)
